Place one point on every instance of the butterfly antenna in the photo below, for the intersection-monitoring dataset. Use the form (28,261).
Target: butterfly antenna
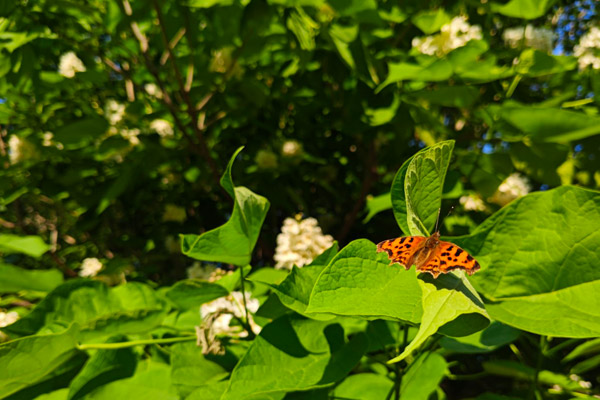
(438,217)
(437,221)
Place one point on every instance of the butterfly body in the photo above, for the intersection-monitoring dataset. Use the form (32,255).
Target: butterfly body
(428,254)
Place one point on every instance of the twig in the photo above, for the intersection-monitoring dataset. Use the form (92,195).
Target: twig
(201,149)
(191,110)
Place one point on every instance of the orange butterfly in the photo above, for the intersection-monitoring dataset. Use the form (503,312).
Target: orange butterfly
(429,254)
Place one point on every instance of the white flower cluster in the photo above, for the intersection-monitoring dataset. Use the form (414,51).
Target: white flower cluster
(529,36)
(90,267)
(228,307)
(162,127)
(452,36)
(588,49)
(114,112)
(300,242)
(206,272)
(513,187)
(153,90)
(7,318)
(20,149)
(291,148)
(472,202)
(69,65)
(581,382)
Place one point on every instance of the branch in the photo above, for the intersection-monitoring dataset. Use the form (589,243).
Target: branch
(201,149)
(191,110)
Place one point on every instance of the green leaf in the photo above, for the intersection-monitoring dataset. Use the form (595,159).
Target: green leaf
(534,63)
(450,305)
(152,382)
(417,188)
(485,341)
(364,386)
(295,354)
(192,293)
(103,367)
(526,9)
(270,276)
(234,241)
(190,370)
(15,279)
(294,292)
(450,96)
(210,391)
(430,21)
(423,376)
(360,282)
(78,134)
(538,258)
(27,361)
(304,28)
(547,124)
(438,70)
(98,310)
(207,3)
(584,349)
(60,394)
(32,246)
(377,204)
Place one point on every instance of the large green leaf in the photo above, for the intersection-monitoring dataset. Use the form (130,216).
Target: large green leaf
(33,246)
(364,386)
(423,376)
(450,305)
(526,9)
(535,63)
(360,282)
(438,70)
(193,293)
(430,21)
(294,292)
(103,367)
(485,341)
(546,124)
(292,353)
(98,310)
(234,241)
(539,256)
(150,382)
(14,279)
(417,188)
(27,361)
(190,370)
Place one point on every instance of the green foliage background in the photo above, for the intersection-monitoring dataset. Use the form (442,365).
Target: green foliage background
(281,107)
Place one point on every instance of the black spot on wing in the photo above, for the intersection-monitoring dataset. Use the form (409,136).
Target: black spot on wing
(458,251)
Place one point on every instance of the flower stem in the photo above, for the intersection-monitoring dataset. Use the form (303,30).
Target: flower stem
(247,320)
(133,343)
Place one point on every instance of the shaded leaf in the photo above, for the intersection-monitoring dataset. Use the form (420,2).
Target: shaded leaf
(234,241)
(33,246)
(14,279)
(294,354)
(423,376)
(27,361)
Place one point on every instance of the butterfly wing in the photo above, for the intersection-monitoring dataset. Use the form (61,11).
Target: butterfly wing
(401,250)
(448,257)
